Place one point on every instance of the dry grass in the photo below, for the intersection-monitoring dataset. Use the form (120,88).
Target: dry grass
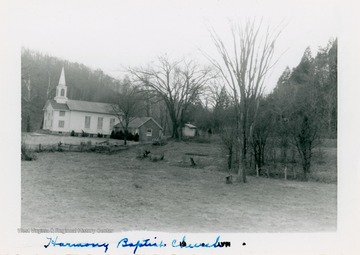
(124,193)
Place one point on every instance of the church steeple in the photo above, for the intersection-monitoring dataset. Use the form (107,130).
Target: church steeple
(61,89)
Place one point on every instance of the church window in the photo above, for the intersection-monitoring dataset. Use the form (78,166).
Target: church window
(62,113)
(87,121)
(62,93)
(61,123)
(112,123)
(100,123)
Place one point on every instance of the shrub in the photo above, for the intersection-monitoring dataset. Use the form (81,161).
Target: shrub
(52,148)
(59,146)
(84,134)
(72,133)
(99,135)
(130,137)
(119,135)
(136,137)
(143,152)
(159,141)
(112,134)
(156,157)
(26,153)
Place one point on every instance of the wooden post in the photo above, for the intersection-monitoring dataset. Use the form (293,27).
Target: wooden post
(285,170)
(193,164)
(267,171)
(39,147)
(257,170)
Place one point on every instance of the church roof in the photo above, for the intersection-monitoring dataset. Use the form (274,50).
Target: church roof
(190,126)
(86,106)
(57,106)
(137,122)
(82,106)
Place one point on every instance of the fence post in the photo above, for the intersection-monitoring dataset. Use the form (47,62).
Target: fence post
(39,147)
(285,170)
(257,170)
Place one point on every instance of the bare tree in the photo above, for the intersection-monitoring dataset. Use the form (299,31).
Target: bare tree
(178,83)
(244,66)
(126,105)
(305,138)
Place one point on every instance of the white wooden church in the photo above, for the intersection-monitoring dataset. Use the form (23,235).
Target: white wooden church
(62,115)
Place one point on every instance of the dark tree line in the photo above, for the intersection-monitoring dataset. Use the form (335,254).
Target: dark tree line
(294,117)
(304,103)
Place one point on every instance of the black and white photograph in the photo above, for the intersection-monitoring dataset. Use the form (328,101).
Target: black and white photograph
(198,117)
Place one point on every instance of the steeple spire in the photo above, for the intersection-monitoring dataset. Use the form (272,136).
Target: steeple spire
(62,77)
(61,89)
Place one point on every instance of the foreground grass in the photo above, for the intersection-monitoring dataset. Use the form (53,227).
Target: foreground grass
(124,193)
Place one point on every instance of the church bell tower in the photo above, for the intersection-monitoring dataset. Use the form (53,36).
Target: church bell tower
(61,89)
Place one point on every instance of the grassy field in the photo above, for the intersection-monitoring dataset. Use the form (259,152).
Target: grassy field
(122,192)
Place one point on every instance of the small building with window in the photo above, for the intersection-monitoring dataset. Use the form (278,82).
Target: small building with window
(146,127)
(62,115)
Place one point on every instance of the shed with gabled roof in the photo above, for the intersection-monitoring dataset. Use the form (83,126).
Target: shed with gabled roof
(189,130)
(146,127)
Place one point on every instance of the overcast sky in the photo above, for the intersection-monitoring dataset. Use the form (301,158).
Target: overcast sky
(111,35)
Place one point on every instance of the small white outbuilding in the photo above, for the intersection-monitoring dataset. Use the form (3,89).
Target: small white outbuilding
(189,130)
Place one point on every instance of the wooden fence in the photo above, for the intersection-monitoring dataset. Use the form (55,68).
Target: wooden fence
(82,147)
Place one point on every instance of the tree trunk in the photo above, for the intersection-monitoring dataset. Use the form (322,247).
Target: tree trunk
(329,119)
(243,171)
(230,158)
(175,126)
(125,136)
(28,125)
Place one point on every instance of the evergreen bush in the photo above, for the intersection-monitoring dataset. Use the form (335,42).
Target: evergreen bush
(130,137)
